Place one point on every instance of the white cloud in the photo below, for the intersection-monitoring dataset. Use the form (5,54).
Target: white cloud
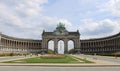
(95,29)
(30,7)
(89,24)
(106,26)
(13,16)
(24,18)
(112,6)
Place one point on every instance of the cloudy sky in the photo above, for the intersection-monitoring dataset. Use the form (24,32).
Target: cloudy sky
(28,18)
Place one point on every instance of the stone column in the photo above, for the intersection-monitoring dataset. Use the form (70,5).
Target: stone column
(65,46)
(42,46)
(77,46)
(0,39)
(55,46)
(46,45)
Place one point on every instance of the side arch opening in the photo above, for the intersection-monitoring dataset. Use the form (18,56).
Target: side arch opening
(50,47)
(71,46)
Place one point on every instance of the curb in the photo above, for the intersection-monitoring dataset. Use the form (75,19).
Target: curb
(61,65)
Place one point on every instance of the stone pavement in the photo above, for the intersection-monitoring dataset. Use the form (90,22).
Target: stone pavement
(40,68)
(10,58)
(98,62)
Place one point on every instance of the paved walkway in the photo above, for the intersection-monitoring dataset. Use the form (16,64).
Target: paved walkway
(102,58)
(96,60)
(38,68)
(9,58)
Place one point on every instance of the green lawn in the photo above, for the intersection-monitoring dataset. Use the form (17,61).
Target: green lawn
(66,59)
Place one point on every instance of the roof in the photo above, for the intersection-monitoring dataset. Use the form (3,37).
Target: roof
(74,33)
(69,33)
(107,37)
(47,33)
(21,39)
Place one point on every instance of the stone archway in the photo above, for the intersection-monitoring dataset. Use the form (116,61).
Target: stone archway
(61,34)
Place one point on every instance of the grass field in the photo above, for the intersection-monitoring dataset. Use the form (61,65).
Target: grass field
(50,59)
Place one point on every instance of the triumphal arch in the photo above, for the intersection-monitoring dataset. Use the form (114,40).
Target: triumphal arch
(60,33)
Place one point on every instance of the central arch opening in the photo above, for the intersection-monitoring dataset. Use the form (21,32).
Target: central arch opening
(60,47)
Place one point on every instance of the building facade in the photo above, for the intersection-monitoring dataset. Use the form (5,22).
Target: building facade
(108,44)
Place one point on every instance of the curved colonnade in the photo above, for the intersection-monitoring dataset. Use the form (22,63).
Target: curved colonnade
(110,44)
(21,46)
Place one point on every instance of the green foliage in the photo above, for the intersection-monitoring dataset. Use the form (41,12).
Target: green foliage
(10,54)
(116,54)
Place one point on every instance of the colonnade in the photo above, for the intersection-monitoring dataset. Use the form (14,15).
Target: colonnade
(8,45)
(107,45)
